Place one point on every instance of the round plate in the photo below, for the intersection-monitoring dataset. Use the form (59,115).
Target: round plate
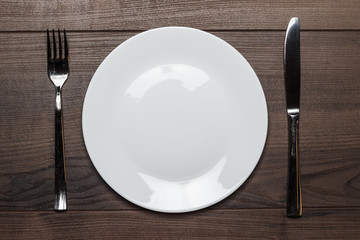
(174,119)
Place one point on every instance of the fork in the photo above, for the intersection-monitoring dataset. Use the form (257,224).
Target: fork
(58,72)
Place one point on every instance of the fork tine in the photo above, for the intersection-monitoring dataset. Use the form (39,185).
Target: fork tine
(60,47)
(48,46)
(65,45)
(54,43)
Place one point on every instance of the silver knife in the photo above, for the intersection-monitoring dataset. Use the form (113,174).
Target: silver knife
(292,90)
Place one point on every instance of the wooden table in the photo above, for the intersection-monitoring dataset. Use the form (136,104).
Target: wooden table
(329,127)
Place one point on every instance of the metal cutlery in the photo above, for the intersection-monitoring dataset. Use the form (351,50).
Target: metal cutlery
(58,72)
(292,89)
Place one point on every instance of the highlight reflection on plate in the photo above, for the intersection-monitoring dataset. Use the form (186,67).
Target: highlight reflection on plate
(174,119)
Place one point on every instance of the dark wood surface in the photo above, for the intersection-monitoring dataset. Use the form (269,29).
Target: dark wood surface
(329,125)
(37,15)
(214,224)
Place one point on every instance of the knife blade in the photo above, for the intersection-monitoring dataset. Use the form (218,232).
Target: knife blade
(292,92)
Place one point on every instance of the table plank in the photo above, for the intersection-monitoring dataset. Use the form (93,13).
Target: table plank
(38,15)
(329,130)
(205,224)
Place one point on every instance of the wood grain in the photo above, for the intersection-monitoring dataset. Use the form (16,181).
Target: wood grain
(206,224)
(38,15)
(329,129)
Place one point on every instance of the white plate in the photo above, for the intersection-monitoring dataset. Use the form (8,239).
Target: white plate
(174,119)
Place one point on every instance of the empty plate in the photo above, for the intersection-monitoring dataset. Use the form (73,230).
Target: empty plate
(174,119)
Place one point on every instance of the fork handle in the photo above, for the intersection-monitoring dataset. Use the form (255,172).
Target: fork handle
(60,182)
(294,201)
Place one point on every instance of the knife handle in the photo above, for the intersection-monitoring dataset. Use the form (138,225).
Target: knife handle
(294,201)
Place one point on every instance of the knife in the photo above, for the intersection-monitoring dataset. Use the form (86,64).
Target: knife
(292,92)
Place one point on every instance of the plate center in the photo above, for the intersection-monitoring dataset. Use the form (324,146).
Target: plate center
(174,122)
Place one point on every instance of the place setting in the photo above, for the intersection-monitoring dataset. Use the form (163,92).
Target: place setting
(175,119)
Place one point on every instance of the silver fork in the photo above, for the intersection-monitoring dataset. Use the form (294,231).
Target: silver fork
(58,72)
